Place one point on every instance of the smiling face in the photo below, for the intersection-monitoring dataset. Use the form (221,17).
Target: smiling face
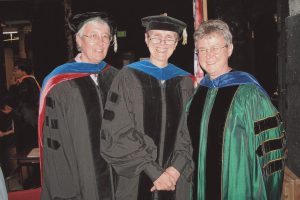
(93,43)
(213,54)
(161,45)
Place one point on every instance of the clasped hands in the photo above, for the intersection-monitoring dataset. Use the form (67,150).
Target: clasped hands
(166,181)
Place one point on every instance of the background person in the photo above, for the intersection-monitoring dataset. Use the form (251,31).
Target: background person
(23,102)
(7,136)
(22,105)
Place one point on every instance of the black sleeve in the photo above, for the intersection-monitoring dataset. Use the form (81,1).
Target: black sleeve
(129,150)
(67,160)
(183,151)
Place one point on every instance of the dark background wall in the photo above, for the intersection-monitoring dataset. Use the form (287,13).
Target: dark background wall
(254,28)
(292,103)
(49,48)
(2,67)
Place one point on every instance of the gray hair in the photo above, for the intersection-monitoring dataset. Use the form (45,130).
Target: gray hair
(213,26)
(94,20)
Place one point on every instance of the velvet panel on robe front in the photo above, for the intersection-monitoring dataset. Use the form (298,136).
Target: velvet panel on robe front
(83,168)
(214,149)
(156,96)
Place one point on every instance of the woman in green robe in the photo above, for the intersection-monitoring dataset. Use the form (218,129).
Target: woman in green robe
(238,137)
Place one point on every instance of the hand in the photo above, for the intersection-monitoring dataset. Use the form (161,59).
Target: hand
(174,173)
(164,182)
(2,134)
(7,109)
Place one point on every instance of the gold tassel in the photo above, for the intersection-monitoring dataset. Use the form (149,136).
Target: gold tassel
(184,37)
(115,43)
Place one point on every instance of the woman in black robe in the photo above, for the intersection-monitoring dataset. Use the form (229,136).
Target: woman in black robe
(139,135)
(72,101)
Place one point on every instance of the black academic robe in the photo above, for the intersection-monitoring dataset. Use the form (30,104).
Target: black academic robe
(139,134)
(24,99)
(6,142)
(72,166)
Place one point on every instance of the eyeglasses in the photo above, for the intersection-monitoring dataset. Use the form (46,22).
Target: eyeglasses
(213,50)
(156,40)
(96,37)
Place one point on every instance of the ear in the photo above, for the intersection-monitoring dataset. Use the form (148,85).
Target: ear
(146,39)
(175,45)
(229,50)
(78,40)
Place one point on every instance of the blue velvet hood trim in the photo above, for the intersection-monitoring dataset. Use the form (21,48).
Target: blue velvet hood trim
(165,73)
(230,79)
(75,67)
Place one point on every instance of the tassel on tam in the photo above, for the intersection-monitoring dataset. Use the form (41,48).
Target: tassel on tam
(184,37)
(115,43)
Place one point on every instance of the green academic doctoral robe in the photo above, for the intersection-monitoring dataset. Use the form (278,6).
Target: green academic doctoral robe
(240,151)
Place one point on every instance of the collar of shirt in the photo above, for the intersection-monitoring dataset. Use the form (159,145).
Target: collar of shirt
(93,76)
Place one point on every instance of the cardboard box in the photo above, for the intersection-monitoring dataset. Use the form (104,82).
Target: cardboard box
(291,186)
